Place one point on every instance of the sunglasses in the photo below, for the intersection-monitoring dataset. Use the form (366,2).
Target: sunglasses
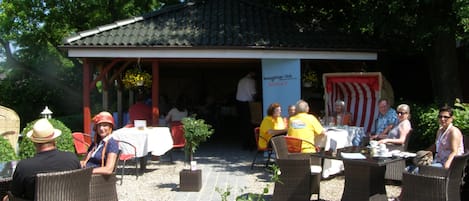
(401,113)
(444,117)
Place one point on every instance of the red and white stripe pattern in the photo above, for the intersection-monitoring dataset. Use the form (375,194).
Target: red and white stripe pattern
(360,91)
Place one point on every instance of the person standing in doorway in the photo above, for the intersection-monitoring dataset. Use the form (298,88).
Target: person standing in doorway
(245,93)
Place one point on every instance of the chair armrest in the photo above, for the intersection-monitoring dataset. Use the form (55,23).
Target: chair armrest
(413,183)
(433,171)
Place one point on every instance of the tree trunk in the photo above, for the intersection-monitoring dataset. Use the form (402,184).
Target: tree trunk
(442,56)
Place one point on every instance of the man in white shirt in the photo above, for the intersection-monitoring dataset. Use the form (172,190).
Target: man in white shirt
(245,93)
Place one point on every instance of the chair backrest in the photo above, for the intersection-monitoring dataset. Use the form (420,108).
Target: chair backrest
(80,142)
(406,141)
(103,187)
(295,144)
(126,150)
(456,168)
(295,180)
(280,147)
(256,136)
(63,185)
(177,132)
(455,177)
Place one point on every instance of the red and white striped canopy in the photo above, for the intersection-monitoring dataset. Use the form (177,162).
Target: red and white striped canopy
(359,91)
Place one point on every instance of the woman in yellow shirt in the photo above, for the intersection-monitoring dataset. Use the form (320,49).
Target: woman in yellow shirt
(273,124)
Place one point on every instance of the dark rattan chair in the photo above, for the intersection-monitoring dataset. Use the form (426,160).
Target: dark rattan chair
(394,170)
(432,183)
(294,184)
(60,186)
(281,150)
(103,187)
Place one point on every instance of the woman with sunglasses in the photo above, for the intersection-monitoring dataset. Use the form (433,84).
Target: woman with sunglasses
(449,140)
(398,134)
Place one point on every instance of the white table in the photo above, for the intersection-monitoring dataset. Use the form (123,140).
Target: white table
(336,138)
(154,140)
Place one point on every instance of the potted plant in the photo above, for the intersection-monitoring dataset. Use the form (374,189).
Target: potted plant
(135,77)
(196,131)
(310,79)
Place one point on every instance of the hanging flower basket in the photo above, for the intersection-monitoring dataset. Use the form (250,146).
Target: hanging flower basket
(136,78)
(310,79)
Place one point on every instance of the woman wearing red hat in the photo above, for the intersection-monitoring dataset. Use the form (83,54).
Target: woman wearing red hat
(102,153)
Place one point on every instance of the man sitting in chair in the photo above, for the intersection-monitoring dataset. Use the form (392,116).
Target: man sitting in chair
(305,126)
(47,159)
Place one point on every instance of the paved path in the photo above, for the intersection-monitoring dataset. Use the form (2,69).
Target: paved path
(224,165)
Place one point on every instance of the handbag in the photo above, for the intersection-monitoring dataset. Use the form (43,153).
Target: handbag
(423,158)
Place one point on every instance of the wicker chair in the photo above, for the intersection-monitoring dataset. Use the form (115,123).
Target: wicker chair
(294,163)
(294,184)
(432,183)
(394,170)
(103,187)
(10,126)
(61,186)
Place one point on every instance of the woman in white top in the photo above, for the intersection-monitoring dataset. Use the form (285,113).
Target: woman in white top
(177,113)
(398,134)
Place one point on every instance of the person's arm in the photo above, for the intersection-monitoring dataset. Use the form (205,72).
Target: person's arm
(108,168)
(455,139)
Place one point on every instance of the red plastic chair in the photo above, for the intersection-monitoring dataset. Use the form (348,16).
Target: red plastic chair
(177,132)
(82,142)
(261,150)
(124,157)
(295,145)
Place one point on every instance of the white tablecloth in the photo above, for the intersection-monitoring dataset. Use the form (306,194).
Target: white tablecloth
(156,140)
(337,138)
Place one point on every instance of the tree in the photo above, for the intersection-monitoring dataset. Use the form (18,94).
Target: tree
(37,72)
(429,27)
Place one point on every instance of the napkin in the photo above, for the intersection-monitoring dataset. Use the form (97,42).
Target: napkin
(352,155)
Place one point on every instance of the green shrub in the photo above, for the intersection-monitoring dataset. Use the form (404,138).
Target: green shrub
(64,142)
(7,153)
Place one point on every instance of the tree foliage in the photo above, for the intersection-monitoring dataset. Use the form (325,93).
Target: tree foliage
(37,72)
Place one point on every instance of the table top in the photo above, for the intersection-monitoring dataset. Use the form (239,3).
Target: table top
(369,160)
(157,140)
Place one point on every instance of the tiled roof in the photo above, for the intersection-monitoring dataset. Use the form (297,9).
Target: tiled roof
(236,24)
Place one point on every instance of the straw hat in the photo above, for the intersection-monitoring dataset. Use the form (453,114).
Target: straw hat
(103,117)
(43,132)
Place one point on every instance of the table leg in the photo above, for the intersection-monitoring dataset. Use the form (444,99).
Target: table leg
(143,164)
(363,182)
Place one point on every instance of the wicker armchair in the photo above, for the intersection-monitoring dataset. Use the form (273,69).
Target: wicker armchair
(61,186)
(103,187)
(294,181)
(394,170)
(432,183)
(292,166)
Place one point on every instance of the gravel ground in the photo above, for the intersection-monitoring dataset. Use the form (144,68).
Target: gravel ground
(161,179)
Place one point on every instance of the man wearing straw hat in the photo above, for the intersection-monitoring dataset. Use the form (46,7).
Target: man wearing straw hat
(47,159)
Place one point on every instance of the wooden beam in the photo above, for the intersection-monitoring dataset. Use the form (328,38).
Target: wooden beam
(86,97)
(155,92)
